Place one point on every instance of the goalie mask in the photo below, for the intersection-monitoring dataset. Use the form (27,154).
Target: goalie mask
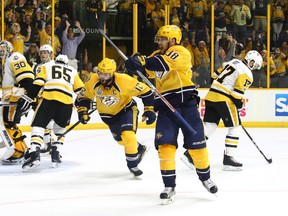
(6,49)
(45,52)
(106,69)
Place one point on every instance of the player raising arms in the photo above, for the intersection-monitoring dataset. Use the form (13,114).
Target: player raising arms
(113,93)
(17,77)
(172,68)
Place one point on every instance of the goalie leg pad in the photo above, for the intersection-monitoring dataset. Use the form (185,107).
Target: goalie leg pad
(18,146)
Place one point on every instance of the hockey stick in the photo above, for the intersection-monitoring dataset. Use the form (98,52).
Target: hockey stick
(101,18)
(73,126)
(268,160)
(7,104)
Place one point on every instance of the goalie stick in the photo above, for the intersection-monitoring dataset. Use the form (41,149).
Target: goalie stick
(101,18)
(268,160)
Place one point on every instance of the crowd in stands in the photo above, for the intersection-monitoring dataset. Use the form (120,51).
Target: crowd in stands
(241,23)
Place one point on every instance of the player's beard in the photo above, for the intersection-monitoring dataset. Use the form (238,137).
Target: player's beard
(106,83)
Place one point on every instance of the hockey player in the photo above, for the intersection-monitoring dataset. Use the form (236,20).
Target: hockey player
(46,55)
(224,100)
(172,68)
(59,82)
(113,94)
(17,77)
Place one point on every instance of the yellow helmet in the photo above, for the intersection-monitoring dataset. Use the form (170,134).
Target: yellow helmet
(107,66)
(170,32)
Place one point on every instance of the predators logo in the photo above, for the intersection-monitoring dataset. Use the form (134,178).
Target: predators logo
(108,100)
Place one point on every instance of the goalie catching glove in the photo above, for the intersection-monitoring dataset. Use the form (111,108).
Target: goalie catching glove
(83,115)
(135,63)
(149,115)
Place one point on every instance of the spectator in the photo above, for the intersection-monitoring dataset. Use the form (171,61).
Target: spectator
(157,16)
(240,13)
(45,35)
(220,25)
(220,54)
(71,43)
(16,39)
(174,18)
(32,55)
(280,78)
(278,17)
(202,62)
(260,19)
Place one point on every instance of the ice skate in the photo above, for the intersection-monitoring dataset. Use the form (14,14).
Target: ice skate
(230,164)
(55,157)
(167,196)
(210,186)
(136,171)
(187,160)
(142,150)
(32,160)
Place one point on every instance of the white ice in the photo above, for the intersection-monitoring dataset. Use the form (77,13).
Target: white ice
(94,180)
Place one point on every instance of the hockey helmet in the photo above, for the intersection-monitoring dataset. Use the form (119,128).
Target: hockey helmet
(170,32)
(62,59)
(46,47)
(107,66)
(255,56)
(45,57)
(6,49)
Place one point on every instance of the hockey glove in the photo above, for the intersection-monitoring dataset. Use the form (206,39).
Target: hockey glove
(135,62)
(24,103)
(83,115)
(149,115)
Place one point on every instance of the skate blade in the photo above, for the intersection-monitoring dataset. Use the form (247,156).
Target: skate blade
(144,154)
(231,168)
(55,164)
(31,167)
(167,201)
(12,162)
(187,163)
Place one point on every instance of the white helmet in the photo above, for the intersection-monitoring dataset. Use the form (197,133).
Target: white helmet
(62,59)
(6,49)
(44,57)
(255,56)
(46,47)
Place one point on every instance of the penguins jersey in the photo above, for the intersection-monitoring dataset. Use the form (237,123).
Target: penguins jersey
(173,73)
(234,79)
(59,82)
(110,101)
(16,69)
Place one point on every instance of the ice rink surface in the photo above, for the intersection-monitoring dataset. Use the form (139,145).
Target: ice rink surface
(93,180)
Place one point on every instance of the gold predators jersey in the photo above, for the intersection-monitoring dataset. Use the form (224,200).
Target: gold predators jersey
(15,70)
(234,79)
(59,82)
(173,72)
(111,101)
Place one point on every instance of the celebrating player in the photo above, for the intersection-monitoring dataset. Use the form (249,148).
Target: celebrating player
(113,93)
(172,68)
